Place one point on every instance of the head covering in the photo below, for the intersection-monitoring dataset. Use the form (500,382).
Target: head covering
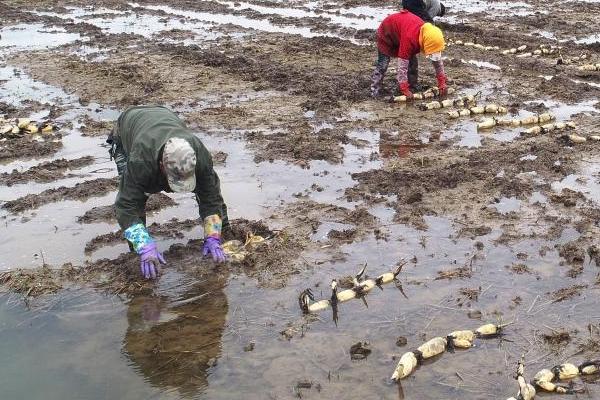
(431,39)
(179,161)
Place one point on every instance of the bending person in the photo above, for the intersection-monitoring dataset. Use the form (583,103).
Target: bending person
(404,35)
(155,151)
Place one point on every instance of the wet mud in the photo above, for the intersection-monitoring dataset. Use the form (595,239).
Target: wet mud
(25,148)
(155,202)
(81,191)
(45,172)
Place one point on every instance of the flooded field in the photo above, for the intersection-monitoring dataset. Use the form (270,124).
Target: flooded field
(495,226)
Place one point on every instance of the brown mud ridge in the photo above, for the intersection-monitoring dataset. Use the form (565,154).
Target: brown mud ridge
(171,230)
(299,145)
(81,191)
(92,127)
(272,262)
(26,148)
(325,85)
(435,183)
(49,171)
(155,202)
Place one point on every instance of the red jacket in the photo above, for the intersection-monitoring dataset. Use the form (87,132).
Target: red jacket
(398,35)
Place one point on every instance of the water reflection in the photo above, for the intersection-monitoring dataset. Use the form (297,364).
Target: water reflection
(174,343)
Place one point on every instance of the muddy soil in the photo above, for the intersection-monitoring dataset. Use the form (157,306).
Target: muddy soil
(81,192)
(156,202)
(172,229)
(46,172)
(26,148)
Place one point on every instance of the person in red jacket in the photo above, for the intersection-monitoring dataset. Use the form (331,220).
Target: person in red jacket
(404,35)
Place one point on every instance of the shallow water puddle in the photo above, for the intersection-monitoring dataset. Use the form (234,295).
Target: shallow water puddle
(497,8)
(16,87)
(365,19)
(28,37)
(506,205)
(147,348)
(588,39)
(146,25)
(483,64)
(586,182)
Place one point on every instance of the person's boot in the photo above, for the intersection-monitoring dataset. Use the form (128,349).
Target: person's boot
(376,83)
(413,75)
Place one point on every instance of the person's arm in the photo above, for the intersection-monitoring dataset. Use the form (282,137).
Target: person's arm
(210,206)
(441,76)
(131,200)
(130,206)
(402,77)
(404,55)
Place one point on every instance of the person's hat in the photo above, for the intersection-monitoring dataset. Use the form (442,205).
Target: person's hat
(431,39)
(179,161)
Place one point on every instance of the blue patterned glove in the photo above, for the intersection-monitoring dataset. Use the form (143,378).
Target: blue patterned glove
(144,245)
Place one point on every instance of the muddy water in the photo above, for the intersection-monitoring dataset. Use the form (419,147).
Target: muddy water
(83,343)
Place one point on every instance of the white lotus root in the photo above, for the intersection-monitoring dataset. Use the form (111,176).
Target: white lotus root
(362,287)
(486,109)
(576,139)
(460,339)
(458,102)
(405,367)
(515,122)
(428,94)
(544,379)
(590,67)
(547,128)
(520,51)
(432,347)
(526,390)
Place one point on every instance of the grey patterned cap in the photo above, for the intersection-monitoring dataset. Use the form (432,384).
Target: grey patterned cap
(179,160)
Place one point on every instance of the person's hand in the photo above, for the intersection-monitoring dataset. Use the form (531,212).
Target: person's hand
(405,89)
(213,247)
(150,260)
(441,81)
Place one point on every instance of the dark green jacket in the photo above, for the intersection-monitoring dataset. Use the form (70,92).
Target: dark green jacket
(142,131)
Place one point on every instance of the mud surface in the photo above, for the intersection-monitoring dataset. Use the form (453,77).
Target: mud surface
(80,191)
(45,172)
(490,225)
(155,202)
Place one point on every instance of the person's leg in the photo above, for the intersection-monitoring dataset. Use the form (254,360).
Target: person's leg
(413,74)
(117,153)
(381,65)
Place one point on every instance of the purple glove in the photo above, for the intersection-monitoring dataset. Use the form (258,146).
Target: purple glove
(213,246)
(151,260)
